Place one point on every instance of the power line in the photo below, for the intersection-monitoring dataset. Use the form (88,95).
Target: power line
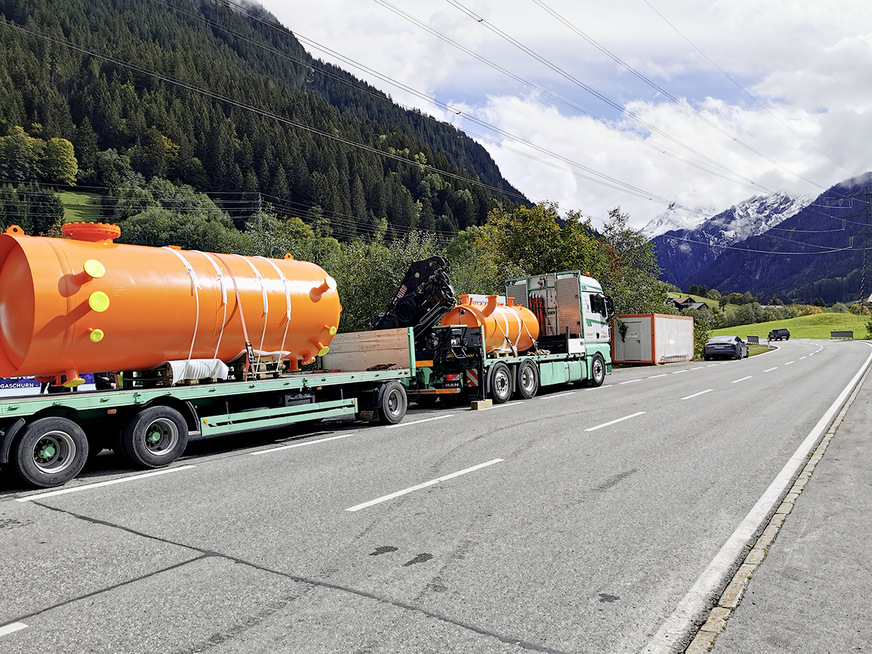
(660,89)
(599,177)
(262,112)
(545,91)
(742,89)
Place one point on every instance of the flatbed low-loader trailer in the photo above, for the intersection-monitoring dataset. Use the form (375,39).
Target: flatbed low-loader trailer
(47,439)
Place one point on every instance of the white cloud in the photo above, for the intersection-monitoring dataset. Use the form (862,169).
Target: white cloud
(807,61)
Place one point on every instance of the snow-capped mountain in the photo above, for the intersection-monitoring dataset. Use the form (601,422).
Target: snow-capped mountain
(683,252)
(676,218)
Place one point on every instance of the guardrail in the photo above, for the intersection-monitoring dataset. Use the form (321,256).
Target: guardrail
(842,334)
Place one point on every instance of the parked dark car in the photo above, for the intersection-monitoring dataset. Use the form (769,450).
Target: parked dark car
(725,346)
(778,334)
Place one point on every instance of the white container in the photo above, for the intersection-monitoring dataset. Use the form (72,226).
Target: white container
(652,338)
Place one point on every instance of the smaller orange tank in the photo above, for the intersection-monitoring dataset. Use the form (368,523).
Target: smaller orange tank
(507,328)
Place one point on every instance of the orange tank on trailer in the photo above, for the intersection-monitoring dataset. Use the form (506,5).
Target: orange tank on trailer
(85,304)
(507,327)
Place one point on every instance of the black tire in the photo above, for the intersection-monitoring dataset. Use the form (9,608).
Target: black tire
(499,383)
(49,452)
(706,358)
(391,403)
(597,370)
(153,438)
(528,379)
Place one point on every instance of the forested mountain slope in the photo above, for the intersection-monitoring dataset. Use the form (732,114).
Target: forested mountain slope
(221,97)
(815,254)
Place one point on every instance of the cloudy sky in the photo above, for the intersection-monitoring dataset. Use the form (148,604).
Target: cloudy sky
(633,103)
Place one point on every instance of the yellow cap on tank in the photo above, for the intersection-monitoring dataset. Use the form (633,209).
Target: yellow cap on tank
(96,335)
(98,301)
(94,269)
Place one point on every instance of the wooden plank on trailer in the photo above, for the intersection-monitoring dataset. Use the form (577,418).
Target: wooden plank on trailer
(363,350)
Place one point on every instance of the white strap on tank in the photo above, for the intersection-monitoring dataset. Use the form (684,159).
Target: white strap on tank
(220,277)
(505,334)
(287,306)
(194,287)
(265,303)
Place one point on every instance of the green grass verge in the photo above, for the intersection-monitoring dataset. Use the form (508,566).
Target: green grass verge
(80,207)
(818,325)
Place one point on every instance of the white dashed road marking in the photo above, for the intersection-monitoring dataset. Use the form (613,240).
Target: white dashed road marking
(406,491)
(612,422)
(698,394)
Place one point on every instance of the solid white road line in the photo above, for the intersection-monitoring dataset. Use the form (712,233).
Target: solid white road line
(406,491)
(698,394)
(698,598)
(293,445)
(771,369)
(613,422)
(417,422)
(736,381)
(124,480)
(12,628)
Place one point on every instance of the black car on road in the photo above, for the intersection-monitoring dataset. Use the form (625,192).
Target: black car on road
(778,334)
(725,346)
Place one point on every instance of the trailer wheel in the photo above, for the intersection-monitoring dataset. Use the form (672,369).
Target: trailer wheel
(528,379)
(391,403)
(597,370)
(154,437)
(500,383)
(49,452)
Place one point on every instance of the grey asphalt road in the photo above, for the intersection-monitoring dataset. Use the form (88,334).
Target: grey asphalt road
(578,521)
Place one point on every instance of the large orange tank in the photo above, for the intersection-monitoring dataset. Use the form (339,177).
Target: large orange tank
(86,304)
(507,327)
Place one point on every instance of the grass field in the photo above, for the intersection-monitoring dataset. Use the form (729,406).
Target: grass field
(818,325)
(80,207)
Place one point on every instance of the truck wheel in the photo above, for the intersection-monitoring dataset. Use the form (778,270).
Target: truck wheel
(528,379)
(391,403)
(500,383)
(50,452)
(597,370)
(154,437)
